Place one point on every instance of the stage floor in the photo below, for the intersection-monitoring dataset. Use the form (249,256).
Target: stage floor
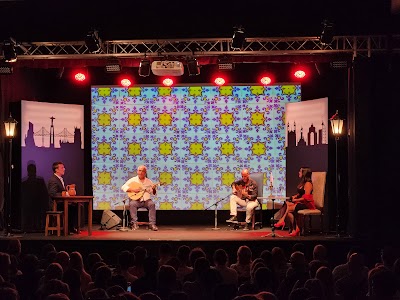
(180,233)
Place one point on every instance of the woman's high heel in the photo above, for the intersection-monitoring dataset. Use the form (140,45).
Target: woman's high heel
(295,232)
(279,224)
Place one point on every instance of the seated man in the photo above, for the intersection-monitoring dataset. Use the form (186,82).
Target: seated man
(56,187)
(141,189)
(244,193)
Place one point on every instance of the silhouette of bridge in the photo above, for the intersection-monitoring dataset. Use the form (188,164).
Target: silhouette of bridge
(43,132)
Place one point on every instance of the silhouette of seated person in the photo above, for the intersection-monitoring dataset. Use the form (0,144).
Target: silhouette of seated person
(34,200)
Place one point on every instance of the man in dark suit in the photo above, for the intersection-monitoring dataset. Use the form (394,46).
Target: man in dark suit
(56,187)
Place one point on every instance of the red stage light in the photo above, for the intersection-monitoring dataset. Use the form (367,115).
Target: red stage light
(126,82)
(168,82)
(300,74)
(79,76)
(265,80)
(219,81)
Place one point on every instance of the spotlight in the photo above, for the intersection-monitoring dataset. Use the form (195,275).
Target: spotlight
(113,67)
(144,68)
(93,42)
(193,67)
(326,37)
(225,63)
(341,64)
(238,38)
(9,50)
(6,69)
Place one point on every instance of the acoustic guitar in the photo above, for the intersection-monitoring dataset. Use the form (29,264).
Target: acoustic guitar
(137,185)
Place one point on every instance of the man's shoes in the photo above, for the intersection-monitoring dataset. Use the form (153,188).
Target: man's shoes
(247,226)
(153,227)
(74,231)
(232,219)
(134,226)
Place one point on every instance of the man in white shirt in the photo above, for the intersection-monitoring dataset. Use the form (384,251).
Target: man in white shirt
(140,189)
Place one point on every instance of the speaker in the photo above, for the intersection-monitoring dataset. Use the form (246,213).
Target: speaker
(109,219)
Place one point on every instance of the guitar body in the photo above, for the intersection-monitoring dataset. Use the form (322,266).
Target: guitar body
(138,186)
(135,196)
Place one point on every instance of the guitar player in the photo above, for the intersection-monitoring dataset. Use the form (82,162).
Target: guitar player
(140,189)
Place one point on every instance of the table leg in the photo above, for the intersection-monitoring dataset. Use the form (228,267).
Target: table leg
(65,217)
(79,205)
(90,212)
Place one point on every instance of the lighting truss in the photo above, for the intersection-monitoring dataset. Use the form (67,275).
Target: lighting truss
(346,45)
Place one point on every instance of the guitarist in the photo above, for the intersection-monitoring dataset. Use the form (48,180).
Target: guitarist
(145,188)
(244,193)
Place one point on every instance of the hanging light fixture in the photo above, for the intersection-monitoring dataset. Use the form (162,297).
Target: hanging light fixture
(9,50)
(327,34)
(238,38)
(93,42)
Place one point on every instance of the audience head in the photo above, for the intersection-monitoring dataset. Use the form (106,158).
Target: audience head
(266,296)
(297,260)
(166,277)
(278,256)
(92,259)
(315,287)
(9,293)
(263,279)
(220,257)
(388,256)
(319,252)
(299,247)
(55,286)
(299,294)
(140,254)
(54,271)
(125,259)
(383,284)
(62,258)
(194,254)
(76,261)
(183,254)
(266,256)
(115,290)
(356,263)
(150,265)
(96,293)
(149,296)
(14,247)
(58,296)
(313,267)
(73,278)
(244,255)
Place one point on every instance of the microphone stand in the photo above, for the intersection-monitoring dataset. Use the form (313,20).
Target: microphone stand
(216,212)
(123,228)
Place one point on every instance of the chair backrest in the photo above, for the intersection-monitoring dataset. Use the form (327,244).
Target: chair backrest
(259,178)
(319,181)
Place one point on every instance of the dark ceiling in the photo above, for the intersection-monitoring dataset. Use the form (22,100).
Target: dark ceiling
(49,20)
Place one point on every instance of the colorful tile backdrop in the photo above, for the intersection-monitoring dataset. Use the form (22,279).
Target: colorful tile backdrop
(194,140)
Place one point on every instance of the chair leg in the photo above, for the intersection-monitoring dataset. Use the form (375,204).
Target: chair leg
(309,224)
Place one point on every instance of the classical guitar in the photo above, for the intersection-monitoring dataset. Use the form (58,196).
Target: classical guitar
(139,195)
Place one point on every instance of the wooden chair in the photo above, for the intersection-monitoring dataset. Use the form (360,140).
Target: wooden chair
(319,181)
(256,218)
(53,222)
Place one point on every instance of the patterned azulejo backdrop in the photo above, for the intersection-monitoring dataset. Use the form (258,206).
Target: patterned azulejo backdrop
(194,140)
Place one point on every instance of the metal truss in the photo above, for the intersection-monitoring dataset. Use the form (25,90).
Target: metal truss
(348,45)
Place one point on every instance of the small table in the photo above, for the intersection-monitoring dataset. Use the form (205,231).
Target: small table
(273,198)
(75,199)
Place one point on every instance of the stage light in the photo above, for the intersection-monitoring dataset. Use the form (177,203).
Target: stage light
(193,67)
(9,50)
(238,38)
(299,73)
(341,64)
(126,82)
(113,66)
(80,76)
(168,82)
(225,63)
(93,42)
(219,81)
(6,69)
(265,80)
(327,33)
(144,68)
